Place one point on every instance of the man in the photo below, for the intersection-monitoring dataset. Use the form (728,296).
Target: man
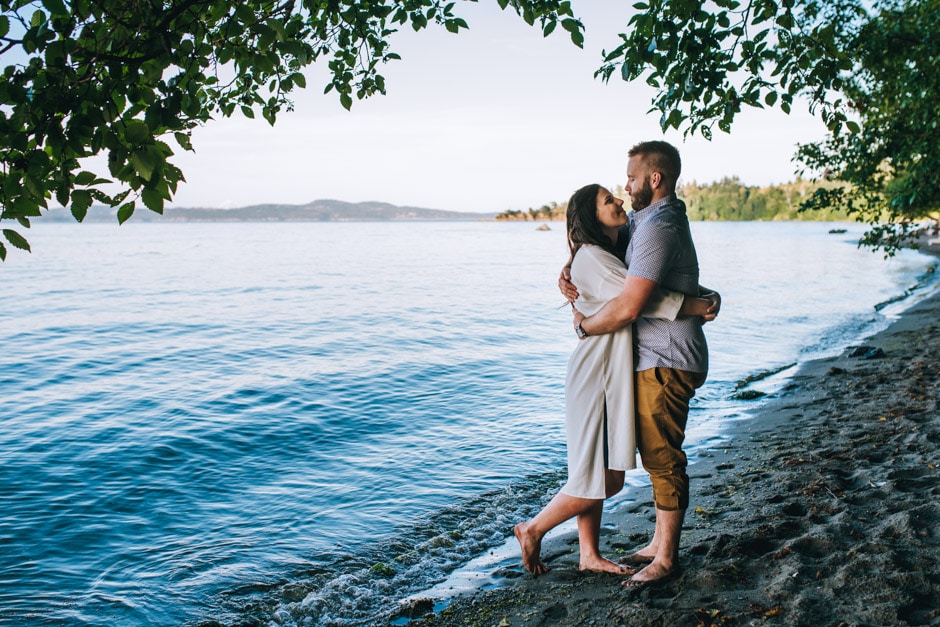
(672,355)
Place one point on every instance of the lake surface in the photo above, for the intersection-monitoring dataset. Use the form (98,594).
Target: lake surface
(304,424)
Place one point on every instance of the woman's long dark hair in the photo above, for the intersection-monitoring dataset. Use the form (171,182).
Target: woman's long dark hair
(583,225)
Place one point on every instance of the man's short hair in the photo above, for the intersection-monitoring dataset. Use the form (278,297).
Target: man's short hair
(661,157)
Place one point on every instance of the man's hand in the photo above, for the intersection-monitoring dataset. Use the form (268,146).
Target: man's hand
(566,287)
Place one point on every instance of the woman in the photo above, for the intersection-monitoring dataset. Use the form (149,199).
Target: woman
(599,411)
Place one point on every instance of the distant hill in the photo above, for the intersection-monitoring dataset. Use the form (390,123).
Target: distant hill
(316,211)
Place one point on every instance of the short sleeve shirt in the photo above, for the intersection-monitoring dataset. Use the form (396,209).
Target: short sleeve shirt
(660,249)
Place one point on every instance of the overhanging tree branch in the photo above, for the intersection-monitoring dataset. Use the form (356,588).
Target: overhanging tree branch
(117,77)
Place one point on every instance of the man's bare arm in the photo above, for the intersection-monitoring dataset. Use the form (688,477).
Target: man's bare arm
(624,309)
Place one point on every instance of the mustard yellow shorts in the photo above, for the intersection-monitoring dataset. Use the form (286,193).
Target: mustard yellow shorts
(662,411)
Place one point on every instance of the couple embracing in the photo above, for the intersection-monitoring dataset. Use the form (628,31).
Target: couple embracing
(633,284)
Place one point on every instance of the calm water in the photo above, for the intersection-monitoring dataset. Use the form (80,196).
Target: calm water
(306,423)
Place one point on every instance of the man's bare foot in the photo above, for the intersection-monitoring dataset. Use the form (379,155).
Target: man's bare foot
(531,546)
(657,571)
(637,559)
(600,565)
(645,555)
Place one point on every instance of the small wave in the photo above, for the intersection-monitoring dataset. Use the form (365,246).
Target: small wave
(366,584)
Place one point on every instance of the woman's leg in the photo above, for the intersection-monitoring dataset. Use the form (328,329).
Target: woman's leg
(530,533)
(589,531)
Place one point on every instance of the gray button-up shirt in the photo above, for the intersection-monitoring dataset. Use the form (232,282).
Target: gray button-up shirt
(660,249)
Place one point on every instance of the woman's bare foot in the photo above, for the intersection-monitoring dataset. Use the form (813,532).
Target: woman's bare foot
(600,565)
(531,546)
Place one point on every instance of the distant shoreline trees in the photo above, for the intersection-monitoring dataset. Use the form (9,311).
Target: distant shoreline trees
(551,212)
(727,200)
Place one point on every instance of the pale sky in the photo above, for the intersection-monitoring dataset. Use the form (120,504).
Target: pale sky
(494,118)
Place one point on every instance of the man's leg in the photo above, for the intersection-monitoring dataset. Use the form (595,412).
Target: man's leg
(663,396)
(647,553)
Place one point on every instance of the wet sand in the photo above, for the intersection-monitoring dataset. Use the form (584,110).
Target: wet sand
(822,509)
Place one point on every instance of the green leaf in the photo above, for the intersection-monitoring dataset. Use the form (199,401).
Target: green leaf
(184,140)
(16,239)
(853,127)
(570,25)
(153,200)
(3,252)
(25,206)
(144,163)
(81,201)
(136,131)
(125,212)
(269,114)
(35,187)
(4,25)
(62,195)
(84,178)
(56,7)
(675,118)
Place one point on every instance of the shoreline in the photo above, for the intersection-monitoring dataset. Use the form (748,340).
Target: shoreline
(821,507)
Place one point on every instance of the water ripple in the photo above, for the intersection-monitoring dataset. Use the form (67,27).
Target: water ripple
(310,431)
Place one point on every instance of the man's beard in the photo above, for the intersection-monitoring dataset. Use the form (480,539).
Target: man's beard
(643,197)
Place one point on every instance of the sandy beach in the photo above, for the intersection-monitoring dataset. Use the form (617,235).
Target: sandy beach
(822,509)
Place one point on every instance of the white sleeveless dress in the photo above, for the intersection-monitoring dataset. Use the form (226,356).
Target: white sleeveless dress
(600,376)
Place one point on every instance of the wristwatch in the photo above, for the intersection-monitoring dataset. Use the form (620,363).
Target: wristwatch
(581,332)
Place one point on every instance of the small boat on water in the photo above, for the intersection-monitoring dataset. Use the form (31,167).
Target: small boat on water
(837,231)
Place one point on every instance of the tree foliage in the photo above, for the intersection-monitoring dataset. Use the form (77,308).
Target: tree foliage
(892,165)
(727,200)
(867,68)
(126,78)
(730,200)
(131,79)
